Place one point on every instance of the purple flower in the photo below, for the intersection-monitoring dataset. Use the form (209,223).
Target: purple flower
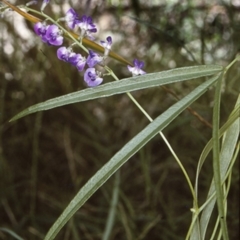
(63,53)
(93,59)
(92,78)
(67,55)
(73,58)
(71,18)
(49,33)
(137,69)
(107,45)
(41,29)
(86,25)
(44,4)
(53,35)
(80,62)
(76,59)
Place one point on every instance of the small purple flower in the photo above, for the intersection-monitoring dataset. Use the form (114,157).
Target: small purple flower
(44,4)
(107,45)
(53,35)
(41,30)
(93,59)
(92,78)
(73,58)
(71,18)
(67,55)
(63,54)
(80,62)
(137,69)
(49,33)
(87,26)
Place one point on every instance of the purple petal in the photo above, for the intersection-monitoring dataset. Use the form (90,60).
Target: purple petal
(71,18)
(73,58)
(107,45)
(86,25)
(109,39)
(53,35)
(80,65)
(138,64)
(91,77)
(63,54)
(52,31)
(93,59)
(79,61)
(58,41)
(130,69)
(136,70)
(40,29)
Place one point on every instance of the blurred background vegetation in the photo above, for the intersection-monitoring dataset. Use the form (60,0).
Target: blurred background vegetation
(45,158)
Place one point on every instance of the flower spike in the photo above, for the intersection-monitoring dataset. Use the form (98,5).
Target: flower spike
(85,41)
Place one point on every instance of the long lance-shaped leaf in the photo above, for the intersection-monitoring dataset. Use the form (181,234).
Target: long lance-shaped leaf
(85,41)
(125,85)
(124,154)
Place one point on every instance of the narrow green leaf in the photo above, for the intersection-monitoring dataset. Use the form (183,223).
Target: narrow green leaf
(125,85)
(124,154)
(233,117)
(216,160)
(112,210)
(231,130)
(227,152)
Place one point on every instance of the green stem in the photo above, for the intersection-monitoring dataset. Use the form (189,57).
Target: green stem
(234,61)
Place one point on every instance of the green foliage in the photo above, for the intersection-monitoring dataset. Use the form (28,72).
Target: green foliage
(124,86)
(125,153)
